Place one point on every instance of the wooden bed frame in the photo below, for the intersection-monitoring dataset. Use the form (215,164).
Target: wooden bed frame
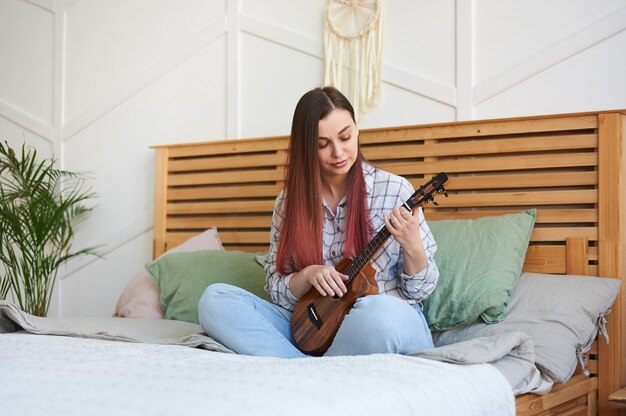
(570,167)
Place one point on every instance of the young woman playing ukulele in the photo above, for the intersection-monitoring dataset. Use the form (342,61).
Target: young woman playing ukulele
(332,205)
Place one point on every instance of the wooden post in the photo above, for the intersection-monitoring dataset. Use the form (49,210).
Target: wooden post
(575,263)
(160,201)
(610,227)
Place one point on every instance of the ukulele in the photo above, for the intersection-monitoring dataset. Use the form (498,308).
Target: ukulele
(316,318)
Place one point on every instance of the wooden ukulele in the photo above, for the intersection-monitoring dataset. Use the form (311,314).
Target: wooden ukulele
(316,318)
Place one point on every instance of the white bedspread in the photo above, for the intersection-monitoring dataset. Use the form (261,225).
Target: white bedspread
(54,375)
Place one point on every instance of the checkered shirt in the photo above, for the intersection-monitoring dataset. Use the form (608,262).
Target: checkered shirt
(385,191)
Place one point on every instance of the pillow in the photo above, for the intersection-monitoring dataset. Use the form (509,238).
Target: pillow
(561,314)
(140,298)
(182,278)
(479,263)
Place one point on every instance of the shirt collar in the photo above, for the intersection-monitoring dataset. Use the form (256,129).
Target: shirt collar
(368,174)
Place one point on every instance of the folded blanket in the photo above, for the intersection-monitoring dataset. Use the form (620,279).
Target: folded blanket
(512,353)
(150,331)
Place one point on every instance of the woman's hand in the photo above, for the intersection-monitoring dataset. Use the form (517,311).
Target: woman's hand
(404,226)
(325,279)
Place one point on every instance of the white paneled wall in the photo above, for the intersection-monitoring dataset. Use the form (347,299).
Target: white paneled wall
(96,82)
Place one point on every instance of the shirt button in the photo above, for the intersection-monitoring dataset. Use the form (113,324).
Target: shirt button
(338,229)
(333,253)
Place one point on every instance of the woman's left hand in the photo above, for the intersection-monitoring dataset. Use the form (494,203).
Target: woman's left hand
(404,226)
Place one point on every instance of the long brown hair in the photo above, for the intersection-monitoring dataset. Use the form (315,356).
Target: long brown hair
(300,242)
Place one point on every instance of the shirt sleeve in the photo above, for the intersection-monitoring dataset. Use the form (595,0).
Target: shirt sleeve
(420,285)
(276,284)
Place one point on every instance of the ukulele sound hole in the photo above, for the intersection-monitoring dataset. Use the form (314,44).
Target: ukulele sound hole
(314,316)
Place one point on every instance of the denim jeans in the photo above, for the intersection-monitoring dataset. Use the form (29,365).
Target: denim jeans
(250,325)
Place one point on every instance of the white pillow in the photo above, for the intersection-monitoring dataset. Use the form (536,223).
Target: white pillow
(140,298)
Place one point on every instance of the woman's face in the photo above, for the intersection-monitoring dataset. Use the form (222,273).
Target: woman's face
(338,144)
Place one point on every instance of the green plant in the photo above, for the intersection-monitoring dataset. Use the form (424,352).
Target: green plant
(40,206)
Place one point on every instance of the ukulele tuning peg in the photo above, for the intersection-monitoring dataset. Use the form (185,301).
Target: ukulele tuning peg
(435,203)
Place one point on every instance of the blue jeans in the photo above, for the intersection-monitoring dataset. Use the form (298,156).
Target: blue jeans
(250,325)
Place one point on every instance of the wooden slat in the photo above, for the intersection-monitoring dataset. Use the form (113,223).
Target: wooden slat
(221,222)
(481,128)
(243,237)
(511,181)
(225,162)
(242,176)
(480,147)
(561,234)
(577,386)
(221,192)
(491,164)
(545,259)
(229,147)
(249,237)
(553,268)
(543,215)
(533,198)
(248,248)
(220,207)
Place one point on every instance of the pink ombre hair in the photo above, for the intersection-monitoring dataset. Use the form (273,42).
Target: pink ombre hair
(300,242)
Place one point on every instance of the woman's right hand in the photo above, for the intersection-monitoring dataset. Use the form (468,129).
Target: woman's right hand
(325,279)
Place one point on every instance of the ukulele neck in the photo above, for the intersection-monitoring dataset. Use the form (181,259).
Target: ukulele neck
(366,254)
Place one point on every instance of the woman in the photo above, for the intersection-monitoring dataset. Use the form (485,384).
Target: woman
(332,204)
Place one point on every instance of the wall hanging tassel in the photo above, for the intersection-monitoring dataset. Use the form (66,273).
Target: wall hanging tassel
(353,39)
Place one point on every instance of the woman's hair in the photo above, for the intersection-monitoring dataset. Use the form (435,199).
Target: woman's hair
(301,237)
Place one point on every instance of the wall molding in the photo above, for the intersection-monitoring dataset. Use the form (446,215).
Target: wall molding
(47,5)
(464,25)
(149,75)
(68,4)
(567,47)
(419,85)
(58,106)
(281,36)
(25,120)
(392,75)
(110,243)
(233,70)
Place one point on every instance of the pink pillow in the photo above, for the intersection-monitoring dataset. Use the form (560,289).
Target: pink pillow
(140,298)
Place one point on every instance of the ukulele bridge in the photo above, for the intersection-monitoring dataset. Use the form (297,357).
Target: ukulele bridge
(313,316)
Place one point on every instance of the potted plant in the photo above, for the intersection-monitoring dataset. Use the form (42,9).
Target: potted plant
(40,206)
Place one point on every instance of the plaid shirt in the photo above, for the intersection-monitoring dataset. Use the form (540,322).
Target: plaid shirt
(385,191)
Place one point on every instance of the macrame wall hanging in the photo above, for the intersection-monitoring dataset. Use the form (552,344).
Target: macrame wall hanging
(353,42)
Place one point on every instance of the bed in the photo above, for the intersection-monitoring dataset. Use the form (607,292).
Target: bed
(569,168)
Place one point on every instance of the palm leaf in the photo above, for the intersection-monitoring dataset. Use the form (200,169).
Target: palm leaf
(40,207)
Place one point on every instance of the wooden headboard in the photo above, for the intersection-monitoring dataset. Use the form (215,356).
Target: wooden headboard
(570,167)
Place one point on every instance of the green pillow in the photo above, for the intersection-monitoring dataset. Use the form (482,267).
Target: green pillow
(480,262)
(182,278)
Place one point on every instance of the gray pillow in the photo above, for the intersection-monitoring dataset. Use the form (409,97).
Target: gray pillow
(561,314)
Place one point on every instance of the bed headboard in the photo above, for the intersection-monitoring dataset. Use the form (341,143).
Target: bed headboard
(570,167)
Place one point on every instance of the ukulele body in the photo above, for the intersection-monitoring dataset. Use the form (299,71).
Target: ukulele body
(317,318)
